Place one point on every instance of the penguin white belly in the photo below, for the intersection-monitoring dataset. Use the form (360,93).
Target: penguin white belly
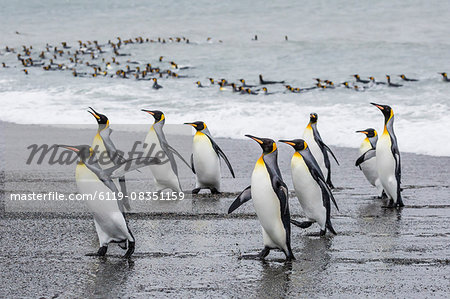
(206,162)
(308,191)
(386,166)
(163,173)
(110,223)
(308,136)
(267,207)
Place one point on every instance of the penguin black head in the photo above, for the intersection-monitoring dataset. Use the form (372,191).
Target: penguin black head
(313,118)
(369,132)
(158,115)
(444,75)
(198,125)
(268,145)
(386,110)
(102,120)
(84,152)
(297,144)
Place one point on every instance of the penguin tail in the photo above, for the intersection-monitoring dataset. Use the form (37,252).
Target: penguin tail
(330,227)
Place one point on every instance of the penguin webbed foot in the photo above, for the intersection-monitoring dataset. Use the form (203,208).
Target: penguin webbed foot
(130,251)
(195,191)
(101,251)
(304,224)
(214,191)
(265,252)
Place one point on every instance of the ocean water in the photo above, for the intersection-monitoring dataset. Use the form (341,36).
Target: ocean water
(327,39)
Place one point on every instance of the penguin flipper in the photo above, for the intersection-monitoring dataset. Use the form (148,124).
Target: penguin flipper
(366,156)
(221,154)
(123,190)
(111,149)
(192,163)
(329,150)
(326,192)
(125,166)
(176,153)
(242,198)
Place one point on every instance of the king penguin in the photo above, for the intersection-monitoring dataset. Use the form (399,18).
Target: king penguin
(388,158)
(205,162)
(318,148)
(109,218)
(166,174)
(102,144)
(367,160)
(311,189)
(270,200)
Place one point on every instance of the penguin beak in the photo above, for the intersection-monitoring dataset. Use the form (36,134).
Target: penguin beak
(287,142)
(378,106)
(191,124)
(255,138)
(69,147)
(94,113)
(365,132)
(148,111)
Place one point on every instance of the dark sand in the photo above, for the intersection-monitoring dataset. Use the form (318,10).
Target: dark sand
(193,248)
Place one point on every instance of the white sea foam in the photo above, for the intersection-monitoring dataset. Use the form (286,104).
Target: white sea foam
(384,39)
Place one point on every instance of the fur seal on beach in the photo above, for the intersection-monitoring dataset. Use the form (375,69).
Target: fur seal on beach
(388,158)
(311,188)
(205,159)
(270,199)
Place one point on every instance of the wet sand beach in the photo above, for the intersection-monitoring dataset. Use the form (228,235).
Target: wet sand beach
(194,248)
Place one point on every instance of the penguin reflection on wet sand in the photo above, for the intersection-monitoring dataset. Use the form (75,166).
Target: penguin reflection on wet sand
(270,200)
(367,160)
(205,159)
(388,158)
(318,148)
(311,188)
(109,219)
(165,175)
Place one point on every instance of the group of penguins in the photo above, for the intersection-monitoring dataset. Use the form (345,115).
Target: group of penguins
(310,167)
(92,59)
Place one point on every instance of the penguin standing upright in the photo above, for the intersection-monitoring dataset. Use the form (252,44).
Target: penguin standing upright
(310,187)
(388,158)
(318,148)
(270,199)
(367,160)
(102,144)
(109,219)
(205,162)
(165,175)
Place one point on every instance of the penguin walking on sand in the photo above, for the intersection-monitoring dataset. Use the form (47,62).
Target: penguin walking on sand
(102,144)
(367,160)
(205,162)
(318,148)
(166,174)
(388,158)
(109,217)
(270,199)
(311,188)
